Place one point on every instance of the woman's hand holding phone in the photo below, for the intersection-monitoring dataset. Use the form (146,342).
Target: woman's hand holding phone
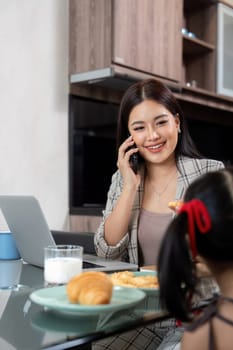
(126,153)
(115,229)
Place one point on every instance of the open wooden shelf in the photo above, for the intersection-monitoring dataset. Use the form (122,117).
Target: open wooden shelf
(194,46)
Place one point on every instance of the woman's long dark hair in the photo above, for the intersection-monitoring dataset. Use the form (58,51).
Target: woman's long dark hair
(177,276)
(155,90)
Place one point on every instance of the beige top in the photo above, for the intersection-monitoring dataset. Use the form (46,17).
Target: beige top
(151,230)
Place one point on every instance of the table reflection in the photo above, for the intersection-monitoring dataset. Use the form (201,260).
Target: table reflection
(10,272)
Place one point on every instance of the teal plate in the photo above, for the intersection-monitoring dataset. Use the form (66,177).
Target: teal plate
(55,298)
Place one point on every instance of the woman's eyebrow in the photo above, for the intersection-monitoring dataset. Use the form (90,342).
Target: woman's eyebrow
(137,122)
(161,115)
(155,118)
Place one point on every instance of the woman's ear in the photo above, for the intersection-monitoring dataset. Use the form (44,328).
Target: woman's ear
(177,120)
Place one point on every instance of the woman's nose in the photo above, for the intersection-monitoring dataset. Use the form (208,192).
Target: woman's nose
(153,133)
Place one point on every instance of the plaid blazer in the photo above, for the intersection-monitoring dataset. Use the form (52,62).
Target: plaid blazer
(127,248)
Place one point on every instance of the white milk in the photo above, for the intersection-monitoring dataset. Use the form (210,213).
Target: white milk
(61,270)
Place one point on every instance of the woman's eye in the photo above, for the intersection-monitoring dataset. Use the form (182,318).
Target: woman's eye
(138,128)
(162,122)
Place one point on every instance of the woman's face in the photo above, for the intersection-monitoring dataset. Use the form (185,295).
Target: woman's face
(154,130)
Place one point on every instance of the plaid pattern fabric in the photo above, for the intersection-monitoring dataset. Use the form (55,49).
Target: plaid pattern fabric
(127,248)
(162,336)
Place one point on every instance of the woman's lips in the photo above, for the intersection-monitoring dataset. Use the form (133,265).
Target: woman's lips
(155,148)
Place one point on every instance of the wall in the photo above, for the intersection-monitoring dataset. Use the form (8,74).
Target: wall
(34,103)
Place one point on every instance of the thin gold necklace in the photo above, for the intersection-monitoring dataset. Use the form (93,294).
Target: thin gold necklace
(159,193)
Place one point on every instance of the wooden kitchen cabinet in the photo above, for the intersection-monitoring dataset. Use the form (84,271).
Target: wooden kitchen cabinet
(141,36)
(114,43)
(147,38)
(90,35)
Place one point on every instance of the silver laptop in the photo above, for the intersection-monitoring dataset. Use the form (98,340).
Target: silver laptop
(28,225)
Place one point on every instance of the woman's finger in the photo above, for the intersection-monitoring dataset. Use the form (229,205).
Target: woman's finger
(124,147)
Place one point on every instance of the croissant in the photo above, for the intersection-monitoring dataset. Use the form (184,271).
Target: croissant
(175,205)
(90,288)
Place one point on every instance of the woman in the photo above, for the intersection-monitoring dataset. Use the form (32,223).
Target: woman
(150,125)
(207,217)
(167,163)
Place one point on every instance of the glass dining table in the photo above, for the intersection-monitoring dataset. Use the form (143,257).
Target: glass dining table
(26,325)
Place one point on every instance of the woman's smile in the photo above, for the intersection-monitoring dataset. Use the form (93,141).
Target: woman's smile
(155,148)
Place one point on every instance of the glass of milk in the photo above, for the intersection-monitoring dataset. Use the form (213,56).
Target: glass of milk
(61,263)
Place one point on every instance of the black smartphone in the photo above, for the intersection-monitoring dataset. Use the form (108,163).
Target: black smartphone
(133,160)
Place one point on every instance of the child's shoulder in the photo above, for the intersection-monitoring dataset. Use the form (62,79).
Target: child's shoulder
(196,339)
(196,335)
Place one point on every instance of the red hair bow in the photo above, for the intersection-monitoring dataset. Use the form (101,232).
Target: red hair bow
(197,214)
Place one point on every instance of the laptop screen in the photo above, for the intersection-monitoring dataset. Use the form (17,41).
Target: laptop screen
(29,227)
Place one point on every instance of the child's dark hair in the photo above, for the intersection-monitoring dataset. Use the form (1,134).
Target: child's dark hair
(177,276)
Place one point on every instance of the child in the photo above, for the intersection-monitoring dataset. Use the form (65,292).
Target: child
(202,231)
